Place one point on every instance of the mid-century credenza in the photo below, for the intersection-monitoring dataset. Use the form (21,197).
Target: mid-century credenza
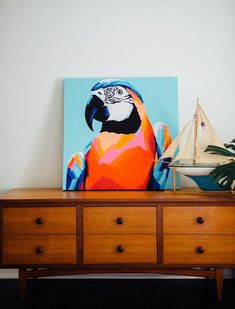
(46,232)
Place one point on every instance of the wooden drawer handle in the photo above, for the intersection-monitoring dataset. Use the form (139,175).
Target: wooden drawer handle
(200,220)
(39,250)
(39,221)
(120,220)
(200,249)
(120,249)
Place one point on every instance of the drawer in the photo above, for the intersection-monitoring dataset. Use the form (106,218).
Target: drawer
(203,249)
(37,249)
(210,219)
(119,220)
(115,249)
(39,220)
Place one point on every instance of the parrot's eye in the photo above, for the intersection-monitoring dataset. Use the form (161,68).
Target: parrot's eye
(119,91)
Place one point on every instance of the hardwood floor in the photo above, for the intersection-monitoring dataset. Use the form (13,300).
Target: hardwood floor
(117,294)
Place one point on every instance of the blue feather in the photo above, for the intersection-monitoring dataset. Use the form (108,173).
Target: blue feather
(76,176)
(116,82)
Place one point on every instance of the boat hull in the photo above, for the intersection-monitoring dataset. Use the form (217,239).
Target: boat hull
(199,174)
(205,183)
(194,170)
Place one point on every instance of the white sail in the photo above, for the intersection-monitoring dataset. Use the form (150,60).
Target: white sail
(207,136)
(186,146)
(171,150)
(194,139)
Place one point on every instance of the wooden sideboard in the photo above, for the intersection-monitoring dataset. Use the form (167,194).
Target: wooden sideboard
(46,232)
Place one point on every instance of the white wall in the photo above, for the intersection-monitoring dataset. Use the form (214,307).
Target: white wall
(43,41)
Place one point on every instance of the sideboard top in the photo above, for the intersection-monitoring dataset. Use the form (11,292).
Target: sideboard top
(183,195)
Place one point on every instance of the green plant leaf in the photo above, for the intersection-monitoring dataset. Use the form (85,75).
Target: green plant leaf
(230,146)
(218,150)
(224,175)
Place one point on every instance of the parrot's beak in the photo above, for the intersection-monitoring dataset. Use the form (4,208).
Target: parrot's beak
(95,109)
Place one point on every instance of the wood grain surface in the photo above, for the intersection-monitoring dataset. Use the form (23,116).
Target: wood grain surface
(57,249)
(57,195)
(100,249)
(136,220)
(55,220)
(160,232)
(216,220)
(182,249)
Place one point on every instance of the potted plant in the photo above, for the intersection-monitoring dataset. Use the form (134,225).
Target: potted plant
(224,175)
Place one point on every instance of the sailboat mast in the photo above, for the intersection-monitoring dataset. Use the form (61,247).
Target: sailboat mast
(195,136)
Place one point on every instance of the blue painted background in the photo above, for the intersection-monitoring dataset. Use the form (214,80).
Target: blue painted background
(160,99)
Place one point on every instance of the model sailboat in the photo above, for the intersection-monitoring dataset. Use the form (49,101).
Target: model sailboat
(192,160)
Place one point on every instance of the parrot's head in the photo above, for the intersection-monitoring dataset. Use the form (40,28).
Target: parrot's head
(113,103)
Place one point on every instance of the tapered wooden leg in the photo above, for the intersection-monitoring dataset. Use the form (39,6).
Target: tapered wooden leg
(219,282)
(22,283)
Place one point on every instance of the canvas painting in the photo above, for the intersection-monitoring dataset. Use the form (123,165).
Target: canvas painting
(115,131)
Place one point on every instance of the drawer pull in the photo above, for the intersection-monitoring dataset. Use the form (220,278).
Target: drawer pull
(120,249)
(200,249)
(39,250)
(39,221)
(120,220)
(200,220)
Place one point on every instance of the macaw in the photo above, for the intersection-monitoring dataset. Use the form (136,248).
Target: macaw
(125,155)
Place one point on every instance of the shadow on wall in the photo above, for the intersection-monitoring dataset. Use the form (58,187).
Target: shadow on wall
(44,168)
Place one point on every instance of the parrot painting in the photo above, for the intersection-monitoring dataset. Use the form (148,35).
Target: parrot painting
(126,153)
